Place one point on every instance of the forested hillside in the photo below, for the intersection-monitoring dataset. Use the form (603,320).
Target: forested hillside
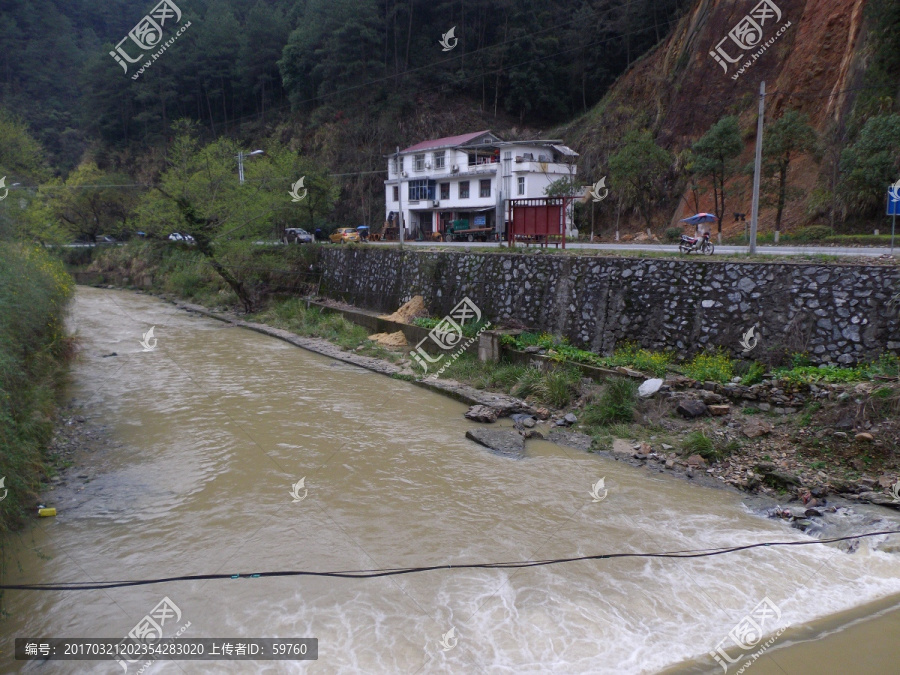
(242,62)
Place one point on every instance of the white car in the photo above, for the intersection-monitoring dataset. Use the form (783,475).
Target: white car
(176,236)
(298,235)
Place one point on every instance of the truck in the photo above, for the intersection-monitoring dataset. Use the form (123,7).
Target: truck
(460,230)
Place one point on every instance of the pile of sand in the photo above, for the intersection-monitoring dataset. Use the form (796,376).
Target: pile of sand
(411,310)
(390,339)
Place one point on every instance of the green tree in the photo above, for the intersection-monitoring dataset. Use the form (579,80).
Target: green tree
(22,167)
(334,51)
(715,159)
(870,164)
(200,194)
(638,169)
(566,186)
(791,135)
(90,202)
(685,161)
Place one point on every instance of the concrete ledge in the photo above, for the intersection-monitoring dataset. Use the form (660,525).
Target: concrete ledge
(372,322)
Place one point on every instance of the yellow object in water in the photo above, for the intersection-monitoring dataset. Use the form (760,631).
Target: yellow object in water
(46,512)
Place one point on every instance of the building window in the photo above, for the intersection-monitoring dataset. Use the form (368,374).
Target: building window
(445,190)
(484,188)
(397,193)
(439,159)
(521,185)
(463,189)
(421,189)
(419,162)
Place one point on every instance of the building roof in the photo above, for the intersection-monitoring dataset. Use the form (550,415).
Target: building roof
(446,142)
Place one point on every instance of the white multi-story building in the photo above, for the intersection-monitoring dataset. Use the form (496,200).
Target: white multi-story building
(469,177)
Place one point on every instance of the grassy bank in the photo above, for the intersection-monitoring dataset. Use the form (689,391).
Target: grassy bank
(34,291)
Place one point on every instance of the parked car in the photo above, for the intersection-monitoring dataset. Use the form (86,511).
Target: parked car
(296,234)
(105,239)
(177,236)
(344,234)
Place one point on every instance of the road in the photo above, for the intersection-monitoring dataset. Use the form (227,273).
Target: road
(872,251)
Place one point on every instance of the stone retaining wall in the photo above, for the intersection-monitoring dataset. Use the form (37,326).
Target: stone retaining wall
(837,313)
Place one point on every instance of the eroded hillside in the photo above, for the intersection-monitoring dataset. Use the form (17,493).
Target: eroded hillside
(811,54)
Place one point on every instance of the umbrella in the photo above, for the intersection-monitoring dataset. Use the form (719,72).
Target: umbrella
(700,218)
(363,227)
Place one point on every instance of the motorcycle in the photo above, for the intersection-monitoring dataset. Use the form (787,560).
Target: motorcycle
(702,244)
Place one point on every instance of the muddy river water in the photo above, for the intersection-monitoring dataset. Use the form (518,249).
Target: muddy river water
(214,426)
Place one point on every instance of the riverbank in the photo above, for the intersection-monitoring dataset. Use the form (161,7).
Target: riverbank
(791,457)
(34,354)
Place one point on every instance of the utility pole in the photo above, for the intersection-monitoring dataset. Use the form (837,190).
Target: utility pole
(399,168)
(757,171)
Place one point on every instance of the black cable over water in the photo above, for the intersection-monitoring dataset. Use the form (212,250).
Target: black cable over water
(369,574)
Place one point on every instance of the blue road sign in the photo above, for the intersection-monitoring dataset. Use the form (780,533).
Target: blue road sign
(893,205)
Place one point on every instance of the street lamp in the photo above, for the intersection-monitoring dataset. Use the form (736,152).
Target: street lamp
(240,158)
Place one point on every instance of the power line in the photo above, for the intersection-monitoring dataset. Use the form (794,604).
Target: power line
(396,571)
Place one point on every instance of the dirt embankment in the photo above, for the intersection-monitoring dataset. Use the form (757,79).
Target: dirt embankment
(813,60)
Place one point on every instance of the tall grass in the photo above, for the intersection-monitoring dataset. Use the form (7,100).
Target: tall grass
(557,387)
(616,404)
(293,315)
(34,292)
(698,443)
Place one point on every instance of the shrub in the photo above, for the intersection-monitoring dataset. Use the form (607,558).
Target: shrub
(716,367)
(887,365)
(754,374)
(812,233)
(861,239)
(616,404)
(559,386)
(34,292)
(809,374)
(673,234)
(800,359)
(626,354)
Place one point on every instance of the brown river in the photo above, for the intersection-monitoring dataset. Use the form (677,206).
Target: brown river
(214,427)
